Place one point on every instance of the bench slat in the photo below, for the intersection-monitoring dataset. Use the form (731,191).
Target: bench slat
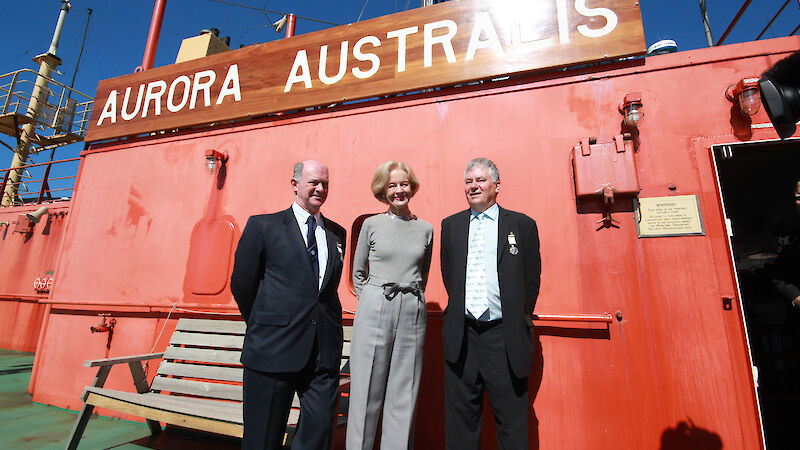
(156,413)
(207,340)
(201,371)
(212,326)
(218,410)
(200,388)
(203,355)
(204,408)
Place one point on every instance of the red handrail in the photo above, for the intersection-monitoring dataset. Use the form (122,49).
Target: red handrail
(43,182)
(605,317)
(40,164)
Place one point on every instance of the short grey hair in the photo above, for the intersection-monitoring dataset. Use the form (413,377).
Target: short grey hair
(486,164)
(298,171)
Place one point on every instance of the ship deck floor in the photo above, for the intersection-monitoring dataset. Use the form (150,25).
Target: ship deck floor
(29,425)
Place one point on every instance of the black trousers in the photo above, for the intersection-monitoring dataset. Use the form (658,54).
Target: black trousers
(483,364)
(268,398)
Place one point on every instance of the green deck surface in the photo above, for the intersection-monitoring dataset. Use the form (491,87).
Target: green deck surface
(28,425)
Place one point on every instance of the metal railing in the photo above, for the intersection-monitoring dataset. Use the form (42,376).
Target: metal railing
(64,110)
(605,317)
(63,185)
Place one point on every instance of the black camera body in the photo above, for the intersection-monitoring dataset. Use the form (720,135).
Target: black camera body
(780,94)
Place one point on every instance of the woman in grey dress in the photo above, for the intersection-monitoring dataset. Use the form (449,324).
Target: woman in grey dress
(390,269)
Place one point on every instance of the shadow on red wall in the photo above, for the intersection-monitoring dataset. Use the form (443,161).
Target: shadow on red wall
(687,436)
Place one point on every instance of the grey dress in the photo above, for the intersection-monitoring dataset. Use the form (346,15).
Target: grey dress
(390,269)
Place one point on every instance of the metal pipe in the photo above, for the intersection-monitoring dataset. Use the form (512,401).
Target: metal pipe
(51,179)
(35,181)
(704,14)
(152,37)
(60,189)
(21,298)
(290,25)
(64,305)
(773,20)
(59,25)
(733,22)
(60,178)
(40,164)
(607,318)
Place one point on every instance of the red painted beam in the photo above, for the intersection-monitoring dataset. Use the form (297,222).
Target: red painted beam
(152,37)
(733,22)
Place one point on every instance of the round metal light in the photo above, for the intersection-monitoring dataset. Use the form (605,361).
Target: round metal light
(632,109)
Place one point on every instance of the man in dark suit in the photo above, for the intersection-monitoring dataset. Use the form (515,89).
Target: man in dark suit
(491,268)
(285,279)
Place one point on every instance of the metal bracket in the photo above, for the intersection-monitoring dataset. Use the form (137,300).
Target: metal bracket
(608,200)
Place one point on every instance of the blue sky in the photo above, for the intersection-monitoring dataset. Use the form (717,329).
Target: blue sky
(118,31)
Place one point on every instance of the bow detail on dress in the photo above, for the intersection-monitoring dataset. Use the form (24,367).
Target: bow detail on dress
(390,290)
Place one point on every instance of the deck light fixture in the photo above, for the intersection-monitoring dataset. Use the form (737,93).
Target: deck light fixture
(214,159)
(745,93)
(631,109)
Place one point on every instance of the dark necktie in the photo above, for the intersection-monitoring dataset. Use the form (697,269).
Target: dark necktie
(312,247)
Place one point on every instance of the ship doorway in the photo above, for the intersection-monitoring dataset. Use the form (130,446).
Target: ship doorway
(759,183)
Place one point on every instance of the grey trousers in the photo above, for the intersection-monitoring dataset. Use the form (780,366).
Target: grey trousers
(385,367)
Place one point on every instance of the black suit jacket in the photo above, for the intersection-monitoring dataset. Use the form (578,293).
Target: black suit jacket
(274,286)
(518,276)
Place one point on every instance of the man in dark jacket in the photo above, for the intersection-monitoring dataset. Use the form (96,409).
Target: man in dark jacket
(285,279)
(491,268)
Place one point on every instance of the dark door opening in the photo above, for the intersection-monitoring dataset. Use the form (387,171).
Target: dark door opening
(759,183)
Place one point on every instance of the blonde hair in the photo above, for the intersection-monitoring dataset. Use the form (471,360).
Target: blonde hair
(380,181)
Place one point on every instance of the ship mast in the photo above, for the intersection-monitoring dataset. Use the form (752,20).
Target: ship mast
(47,64)
(706,25)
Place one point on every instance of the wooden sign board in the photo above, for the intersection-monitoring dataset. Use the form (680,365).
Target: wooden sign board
(444,44)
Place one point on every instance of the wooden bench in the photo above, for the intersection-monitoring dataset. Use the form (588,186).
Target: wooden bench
(198,384)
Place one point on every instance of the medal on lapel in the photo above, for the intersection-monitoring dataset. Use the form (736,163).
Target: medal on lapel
(341,251)
(512,241)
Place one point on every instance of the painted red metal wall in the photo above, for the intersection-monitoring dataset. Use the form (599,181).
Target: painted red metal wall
(24,258)
(675,358)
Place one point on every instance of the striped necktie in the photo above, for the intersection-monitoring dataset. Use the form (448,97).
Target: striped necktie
(312,246)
